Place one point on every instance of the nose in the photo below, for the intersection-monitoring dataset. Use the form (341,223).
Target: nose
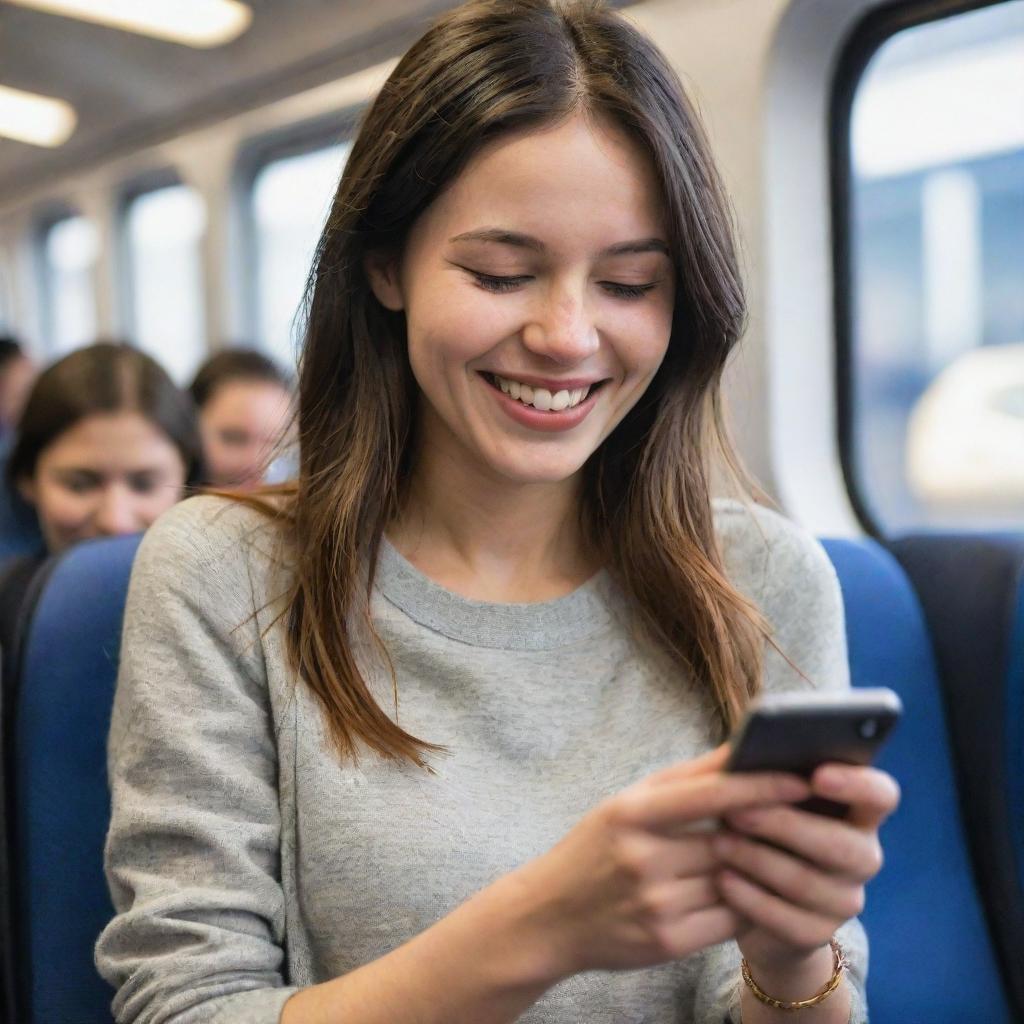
(116,512)
(562,328)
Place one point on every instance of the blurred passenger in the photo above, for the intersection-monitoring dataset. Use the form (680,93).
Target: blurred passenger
(244,401)
(17,372)
(106,443)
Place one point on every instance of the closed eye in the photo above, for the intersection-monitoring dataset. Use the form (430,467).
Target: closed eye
(491,283)
(494,283)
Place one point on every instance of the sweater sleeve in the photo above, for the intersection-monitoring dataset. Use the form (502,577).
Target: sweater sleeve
(192,853)
(800,596)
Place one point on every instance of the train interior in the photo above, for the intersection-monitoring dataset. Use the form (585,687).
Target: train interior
(170,190)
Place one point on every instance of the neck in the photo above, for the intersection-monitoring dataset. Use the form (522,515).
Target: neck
(489,538)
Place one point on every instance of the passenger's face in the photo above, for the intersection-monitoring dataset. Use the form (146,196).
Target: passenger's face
(241,423)
(566,286)
(111,473)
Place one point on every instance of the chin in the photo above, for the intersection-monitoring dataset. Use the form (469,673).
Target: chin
(527,470)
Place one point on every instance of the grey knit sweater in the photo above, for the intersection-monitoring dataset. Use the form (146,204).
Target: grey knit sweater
(245,861)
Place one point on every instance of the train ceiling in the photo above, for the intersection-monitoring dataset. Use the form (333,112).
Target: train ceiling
(130,91)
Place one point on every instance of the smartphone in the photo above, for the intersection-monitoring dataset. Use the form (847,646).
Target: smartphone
(796,732)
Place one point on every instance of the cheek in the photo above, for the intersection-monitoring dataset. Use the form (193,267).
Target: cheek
(62,509)
(467,325)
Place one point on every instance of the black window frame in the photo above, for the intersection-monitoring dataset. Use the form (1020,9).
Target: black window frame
(865,39)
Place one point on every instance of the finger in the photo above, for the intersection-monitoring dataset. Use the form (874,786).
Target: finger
(702,928)
(792,878)
(828,843)
(707,796)
(793,925)
(686,858)
(668,901)
(871,794)
(713,761)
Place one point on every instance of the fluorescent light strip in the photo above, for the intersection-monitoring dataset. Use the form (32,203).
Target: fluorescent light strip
(198,23)
(37,120)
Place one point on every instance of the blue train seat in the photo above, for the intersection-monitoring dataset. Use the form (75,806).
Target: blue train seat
(971,587)
(61,798)
(932,958)
(19,527)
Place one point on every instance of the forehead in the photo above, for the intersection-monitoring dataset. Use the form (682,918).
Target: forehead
(583,180)
(247,398)
(109,440)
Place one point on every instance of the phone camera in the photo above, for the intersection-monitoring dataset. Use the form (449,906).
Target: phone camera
(868,729)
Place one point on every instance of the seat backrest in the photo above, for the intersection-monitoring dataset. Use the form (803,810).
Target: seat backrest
(61,797)
(971,587)
(19,527)
(932,957)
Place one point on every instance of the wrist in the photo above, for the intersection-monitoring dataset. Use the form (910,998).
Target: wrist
(791,978)
(524,943)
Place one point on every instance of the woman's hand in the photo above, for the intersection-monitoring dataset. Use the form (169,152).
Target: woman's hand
(794,876)
(633,883)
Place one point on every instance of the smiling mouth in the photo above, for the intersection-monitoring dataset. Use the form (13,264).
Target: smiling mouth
(540,398)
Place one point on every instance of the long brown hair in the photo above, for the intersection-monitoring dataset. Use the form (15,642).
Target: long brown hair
(487,68)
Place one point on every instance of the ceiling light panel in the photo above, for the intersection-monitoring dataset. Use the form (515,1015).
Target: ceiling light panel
(37,120)
(199,23)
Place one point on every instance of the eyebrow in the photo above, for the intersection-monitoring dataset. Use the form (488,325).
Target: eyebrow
(514,238)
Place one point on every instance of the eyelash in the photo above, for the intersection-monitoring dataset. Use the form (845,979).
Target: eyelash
(500,285)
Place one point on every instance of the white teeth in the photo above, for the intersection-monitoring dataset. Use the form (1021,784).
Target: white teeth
(541,398)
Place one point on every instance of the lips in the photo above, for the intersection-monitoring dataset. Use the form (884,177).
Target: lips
(544,421)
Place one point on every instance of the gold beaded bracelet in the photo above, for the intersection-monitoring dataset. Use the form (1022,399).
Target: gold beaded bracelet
(839,967)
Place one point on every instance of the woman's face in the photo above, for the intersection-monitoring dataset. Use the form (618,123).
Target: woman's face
(111,473)
(538,292)
(241,423)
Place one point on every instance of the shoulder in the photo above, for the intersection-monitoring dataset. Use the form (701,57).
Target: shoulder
(208,538)
(766,554)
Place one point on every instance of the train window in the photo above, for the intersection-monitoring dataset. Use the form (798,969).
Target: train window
(164,231)
(69,249)
(932,334)
(290,200)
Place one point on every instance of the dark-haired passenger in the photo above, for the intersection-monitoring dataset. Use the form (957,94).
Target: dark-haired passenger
(244,402)
(106,443)
(17,372)
(435,734)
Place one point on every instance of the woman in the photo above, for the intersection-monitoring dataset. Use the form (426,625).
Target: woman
(520,310)
(243,400)
(105,445)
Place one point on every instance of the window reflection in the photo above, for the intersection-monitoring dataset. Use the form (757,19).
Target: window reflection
(70,247)
(291,198)
(937,143)
(164,231)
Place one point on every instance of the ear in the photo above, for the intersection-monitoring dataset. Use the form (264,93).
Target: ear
(382,272)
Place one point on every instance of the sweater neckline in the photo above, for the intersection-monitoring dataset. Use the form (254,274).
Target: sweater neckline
(532,626)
